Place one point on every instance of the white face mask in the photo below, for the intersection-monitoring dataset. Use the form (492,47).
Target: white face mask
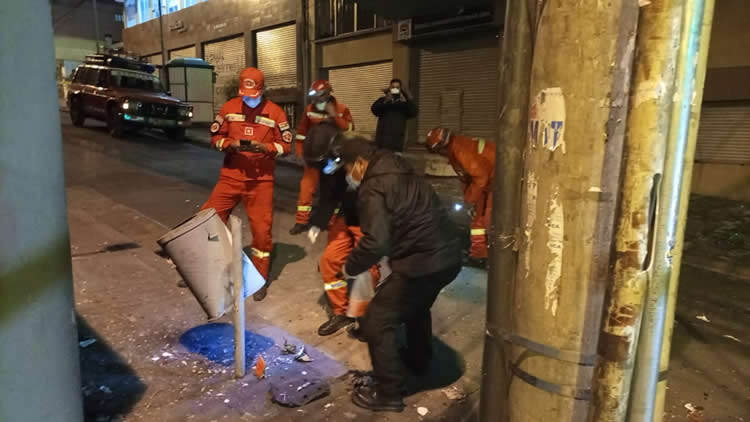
(353,184)
(395,91)
(320,106)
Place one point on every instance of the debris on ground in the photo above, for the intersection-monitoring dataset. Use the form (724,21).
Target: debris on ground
(329,405)
(86,343)
(301,356)
(703,318)
(694,412)
(298,391)
(167,355)
(260,367)
(454,393)
(423,411)
(289,348)
(732,338)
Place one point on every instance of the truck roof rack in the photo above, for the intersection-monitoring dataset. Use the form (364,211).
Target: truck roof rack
(119,62)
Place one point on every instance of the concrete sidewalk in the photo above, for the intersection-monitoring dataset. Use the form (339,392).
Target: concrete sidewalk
(423,161)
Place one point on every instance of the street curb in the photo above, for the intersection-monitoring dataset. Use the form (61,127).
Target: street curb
(718,265)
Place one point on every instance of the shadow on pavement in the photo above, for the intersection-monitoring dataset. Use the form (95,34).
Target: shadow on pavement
(109,385)
(282,255)
(447,367)
(215,341)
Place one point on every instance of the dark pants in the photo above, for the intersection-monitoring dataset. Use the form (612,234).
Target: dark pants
(401,300)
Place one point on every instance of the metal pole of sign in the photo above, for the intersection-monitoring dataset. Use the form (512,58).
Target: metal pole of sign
(165,74)
(96,25)
(235,225)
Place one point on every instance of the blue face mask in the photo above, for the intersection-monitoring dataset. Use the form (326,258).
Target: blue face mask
(252,102)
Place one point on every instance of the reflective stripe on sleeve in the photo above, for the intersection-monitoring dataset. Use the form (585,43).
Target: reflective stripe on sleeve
(259,253)
(335,285)
(478,232)
(351,127)
(220,144)
(279,148)
(304,208)
(480,146)
(300,137)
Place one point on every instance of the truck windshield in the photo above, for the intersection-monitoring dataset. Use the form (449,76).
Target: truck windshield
(136,80)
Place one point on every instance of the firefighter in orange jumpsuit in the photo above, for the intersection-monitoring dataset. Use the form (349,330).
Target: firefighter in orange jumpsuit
(337,211)
(473,159)
(252,131)
(323,107)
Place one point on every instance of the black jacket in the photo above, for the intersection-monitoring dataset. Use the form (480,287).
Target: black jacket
(392,117)
(401,216)
(334,194)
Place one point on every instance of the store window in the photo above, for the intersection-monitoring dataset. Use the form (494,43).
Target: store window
(339,17)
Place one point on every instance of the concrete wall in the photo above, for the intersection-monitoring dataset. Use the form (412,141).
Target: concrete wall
(210,21)
(728,181)
(356,49)
(727,79)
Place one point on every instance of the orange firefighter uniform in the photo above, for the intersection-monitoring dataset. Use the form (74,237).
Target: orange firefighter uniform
(473,159)
(311,176)
(248,176)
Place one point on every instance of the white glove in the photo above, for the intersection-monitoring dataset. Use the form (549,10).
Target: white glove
(312,234)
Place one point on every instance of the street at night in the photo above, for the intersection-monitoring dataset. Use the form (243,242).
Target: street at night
(130,191)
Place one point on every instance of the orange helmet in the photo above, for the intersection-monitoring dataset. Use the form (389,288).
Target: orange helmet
(438,139)
(320,90)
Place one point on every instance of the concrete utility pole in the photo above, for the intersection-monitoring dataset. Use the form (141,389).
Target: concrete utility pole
(579,85)
(39,369)
(515,64)
(652,356)
(165,73)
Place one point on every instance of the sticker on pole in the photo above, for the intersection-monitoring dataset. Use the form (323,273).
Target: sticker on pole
(547,120)
(252,280)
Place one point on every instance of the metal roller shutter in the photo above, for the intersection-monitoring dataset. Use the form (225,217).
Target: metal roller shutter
(358,87)
(724,134)
(277,56)
(228,58)
(182,52)
(458,87)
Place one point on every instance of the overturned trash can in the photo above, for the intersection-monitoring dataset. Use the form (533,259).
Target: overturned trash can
(201,249)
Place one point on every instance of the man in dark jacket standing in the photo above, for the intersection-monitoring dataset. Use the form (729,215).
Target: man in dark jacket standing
(400,216)
(393,110)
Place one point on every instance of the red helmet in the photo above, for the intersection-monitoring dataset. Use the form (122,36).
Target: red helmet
(320,89)
(438,139)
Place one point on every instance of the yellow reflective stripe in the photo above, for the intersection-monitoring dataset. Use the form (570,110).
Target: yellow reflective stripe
(300,137)
(480,147)
(478,232)
(220,144)
(259,253)
(336,211)
(304,208)
(279,148)
(335,285)
(351,127)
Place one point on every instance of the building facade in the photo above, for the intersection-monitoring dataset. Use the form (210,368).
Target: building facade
(447,55)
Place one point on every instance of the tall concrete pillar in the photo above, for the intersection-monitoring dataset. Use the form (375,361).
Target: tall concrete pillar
(39,369)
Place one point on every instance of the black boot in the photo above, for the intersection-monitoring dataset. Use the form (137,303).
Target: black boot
(368,397)
(334,324)
(299,228)
(260,294)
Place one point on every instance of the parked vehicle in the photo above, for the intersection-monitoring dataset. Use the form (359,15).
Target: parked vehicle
(126,95)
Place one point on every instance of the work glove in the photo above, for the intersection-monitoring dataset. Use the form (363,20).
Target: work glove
(230,145)
(312,234)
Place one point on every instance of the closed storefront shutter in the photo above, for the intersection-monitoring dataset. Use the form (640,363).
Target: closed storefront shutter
(228,58)
(458,86)
(182,52)
(724,134)
(358,87)
(276,51)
